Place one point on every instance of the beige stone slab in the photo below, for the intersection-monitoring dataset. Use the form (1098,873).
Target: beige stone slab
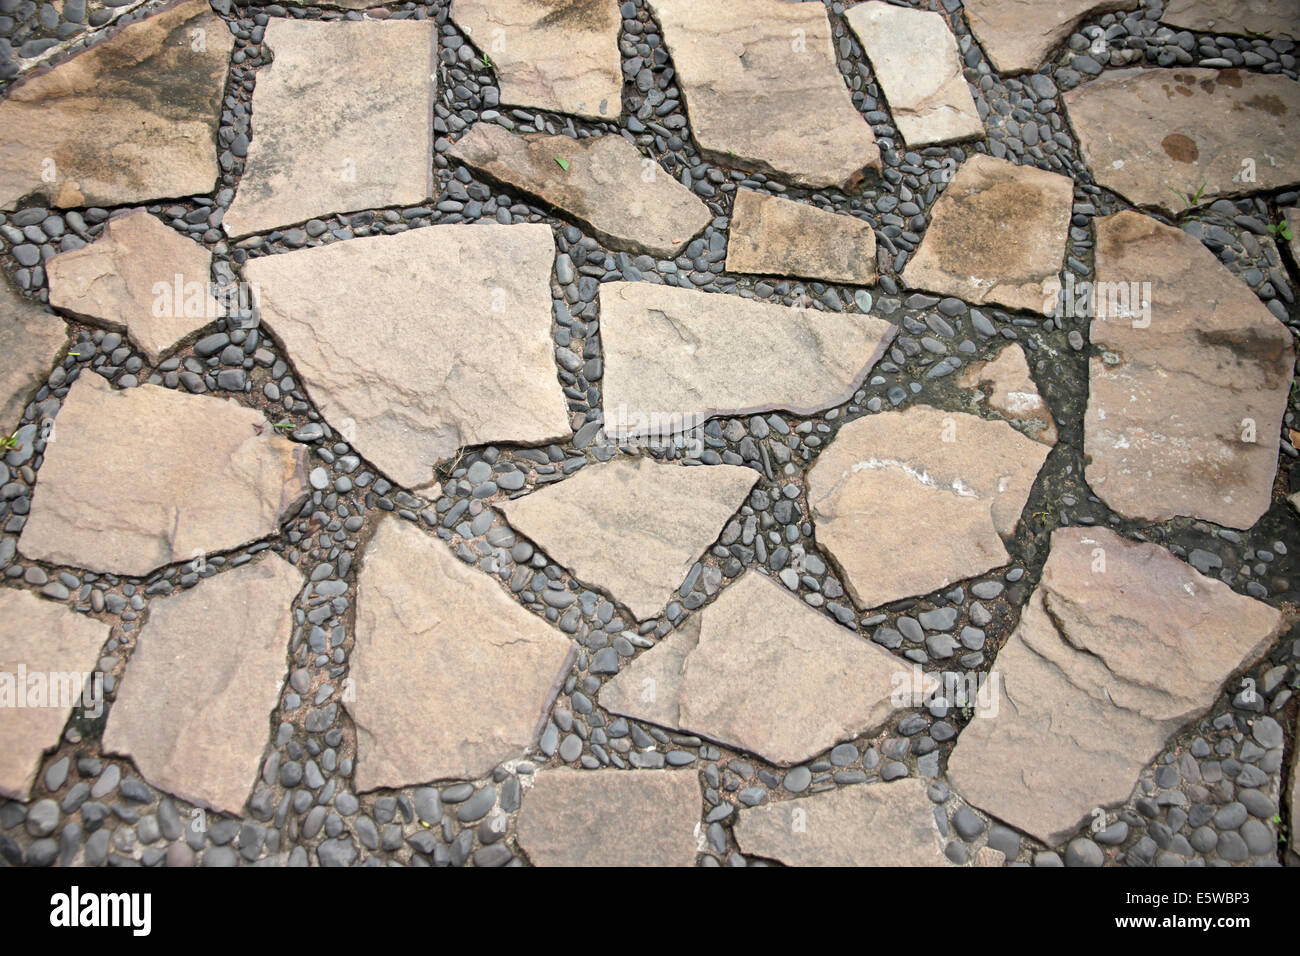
(1271,18)
(1018,35)
(30,339)
(1008,390)
(779,237)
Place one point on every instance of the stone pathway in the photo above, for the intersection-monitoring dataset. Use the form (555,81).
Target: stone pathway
(462,432)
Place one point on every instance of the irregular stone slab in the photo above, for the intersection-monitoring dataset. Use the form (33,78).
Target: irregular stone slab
(759,652)
(1271,18)
(1186,402)
(674,357)
(764,91)
(619,818)
(193,711)
(140,277)
(996,235)
(603,186)
(189,474)
(306,156)
(30,338)
(1009,390)
(1017,35)
(1119,646)
(47,653)
(961,482)
(882,824)
(916,62)
(559,55)
(131,119)
(633,527)
(780,237)
(1181,132)
(451,677)
(352,315)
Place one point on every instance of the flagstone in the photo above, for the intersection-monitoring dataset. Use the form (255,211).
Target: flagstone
(1018,35)
(960,481)
(764,91)
(623,198)
(1007,388)
(1120,645)
(139,478)
(30,339)
(131,119)
(1158,137)
(450,675)
(632,527)
(354,314)
(194,707)
(311,153)
(1252,18)
(779,237)
(1186,403)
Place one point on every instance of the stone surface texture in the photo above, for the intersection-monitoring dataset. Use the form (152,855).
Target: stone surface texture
(1008,389)
(780,237)
(1018,35)
(1271,18)
(30,338)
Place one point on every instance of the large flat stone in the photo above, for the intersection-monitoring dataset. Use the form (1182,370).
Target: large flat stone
(915,60)
(309,157)
(1120,645)
(193,710)
(30,338)
(616,818)
(57,649)
(1185,407)
(1158,137)
(1007,389)
(632,527)
(1271,18)
(559,55)
(188,475)
(140,277)
(997,235)
(764,92)
(881,824)
(909,502)
(779,237)
(603,186)
(674,357)
(451,676)
(1018,35)
(354,314)
(131,119)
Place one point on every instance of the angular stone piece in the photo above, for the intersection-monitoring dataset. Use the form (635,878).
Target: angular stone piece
(452,677)
(765,674)
(354,314)
(996,235)
(1120,645)
(962,482)
(764,92)
(30,338)
(194,706)
(779,237)
(1271,18)
(1159,136)
(1017,35)
(674,357)
(916,62)
(1009,390)
(880,824)
(633,527)
(617,818)
(138,478)
(1186,403)
(131,119)
(559,55)
(57,649)
(115,282)
(308,157)
(603,187)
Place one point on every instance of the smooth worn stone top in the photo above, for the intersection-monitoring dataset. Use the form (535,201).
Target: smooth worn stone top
(915,59)
(193,709)
(780,237)
(1120,645)
(1186,400)
(764,91)
(358,316)
(996,235)
(141,277)
(131,119)
(559,55)
(624,199)
(54,650)
(342,120)
(1019,34)
(1252,18)
(30,339)
(1177,138)
(138,478)
(1009,390)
